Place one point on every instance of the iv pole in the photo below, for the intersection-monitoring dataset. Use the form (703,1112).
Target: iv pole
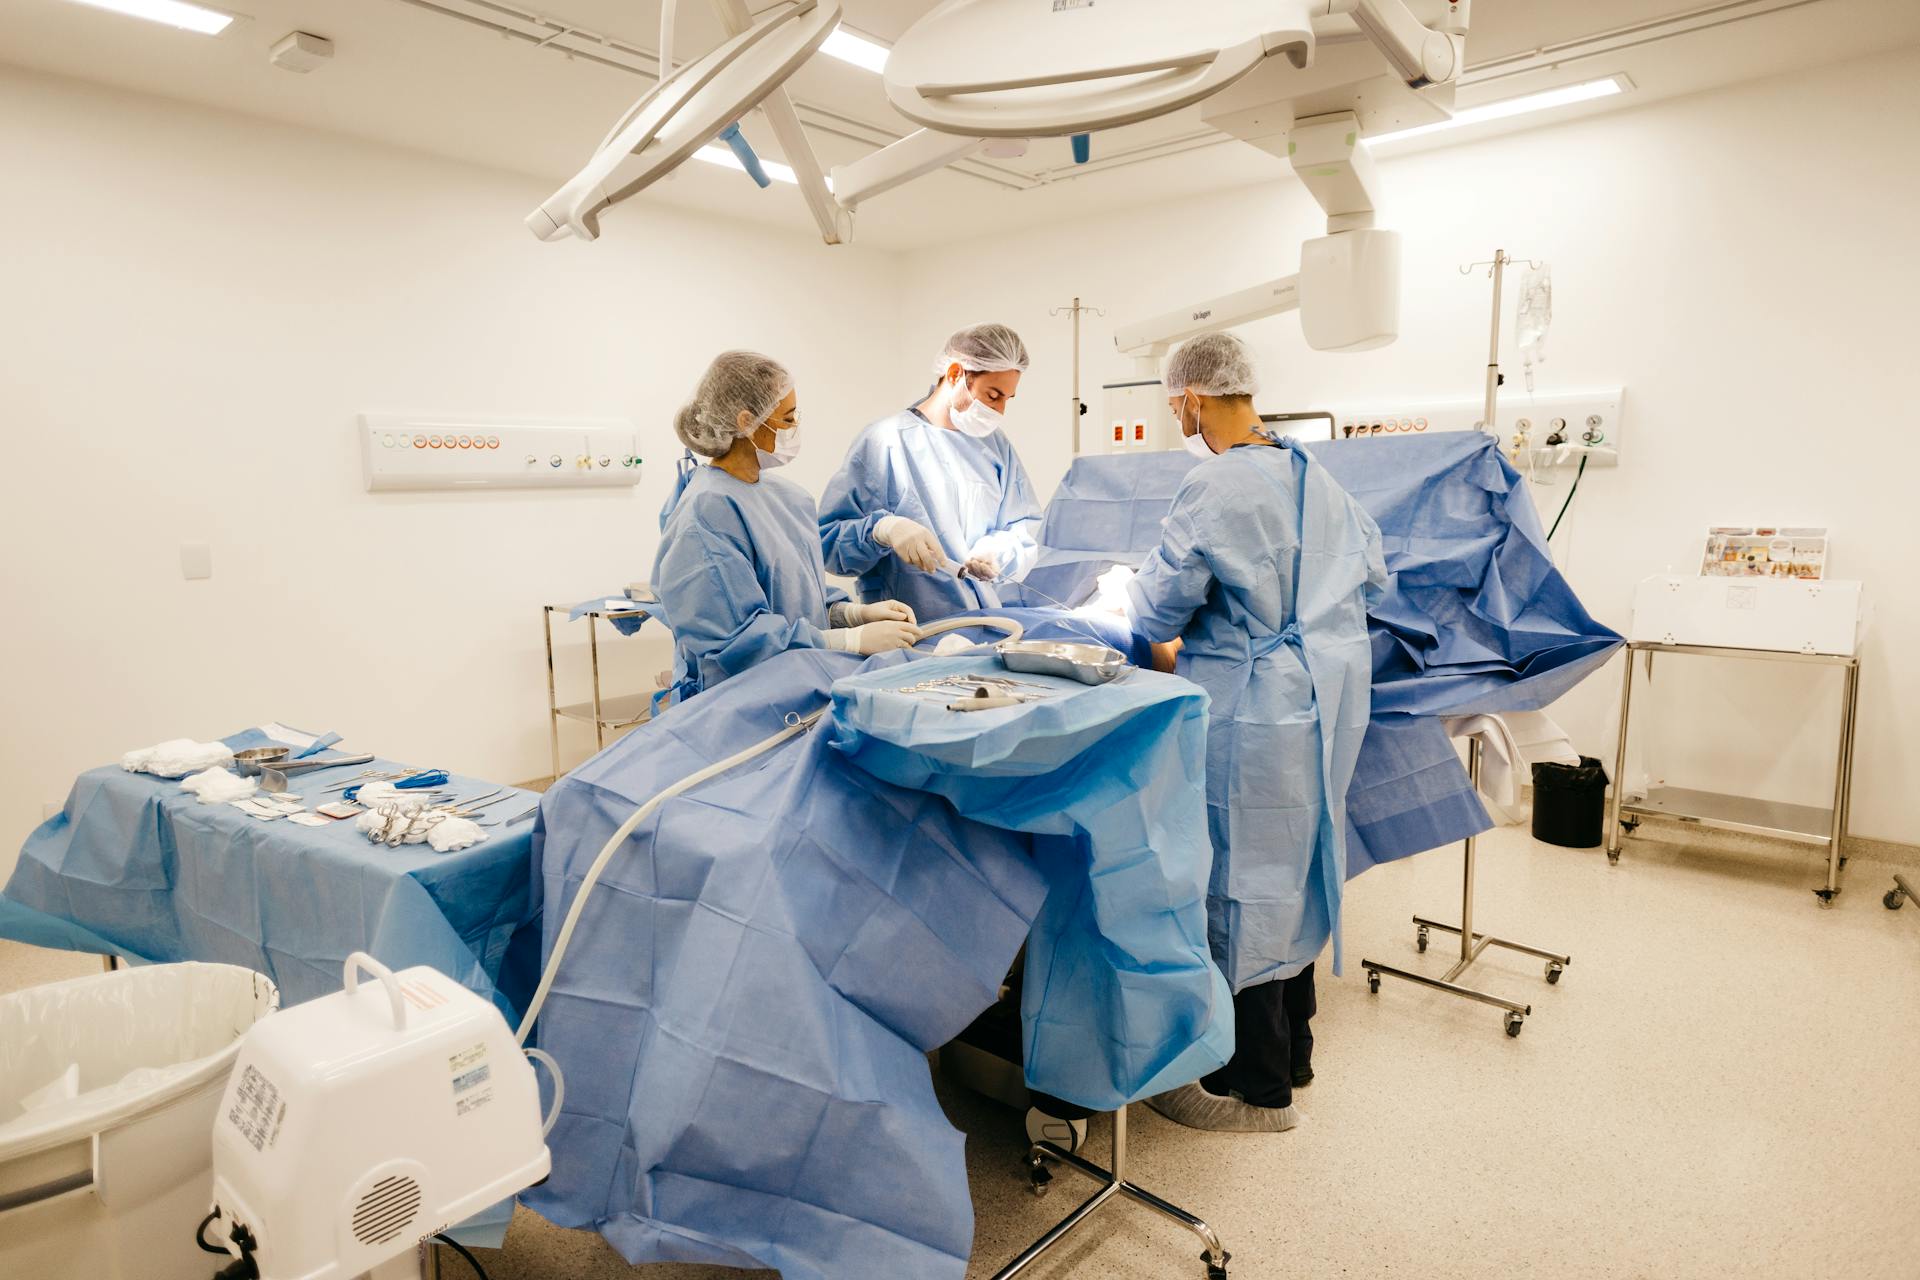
(1079,407)
(1471,943)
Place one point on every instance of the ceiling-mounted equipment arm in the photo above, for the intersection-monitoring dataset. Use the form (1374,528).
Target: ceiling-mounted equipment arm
(835,226)
(919,153)
(1348,288)
(1420,54)
(1151,339)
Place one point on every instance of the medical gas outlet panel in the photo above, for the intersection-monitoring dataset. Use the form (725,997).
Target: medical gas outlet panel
(1135,419)
(1536,431)
(419,453)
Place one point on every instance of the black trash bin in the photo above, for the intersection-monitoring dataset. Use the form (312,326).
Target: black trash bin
(1570,803)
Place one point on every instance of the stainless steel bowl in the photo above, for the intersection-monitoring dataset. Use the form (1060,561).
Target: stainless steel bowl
(1087,663)
(254,759)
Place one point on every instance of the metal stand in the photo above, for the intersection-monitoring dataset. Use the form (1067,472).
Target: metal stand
(1802,824)
(1114,1183)
(621,711)
(1471,943)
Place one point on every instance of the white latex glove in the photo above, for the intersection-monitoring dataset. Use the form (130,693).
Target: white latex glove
(912,542)
(1111,595)
(873,637)
(852,614)
(984,568)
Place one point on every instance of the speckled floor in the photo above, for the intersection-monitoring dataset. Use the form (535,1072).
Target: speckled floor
(1724,1084)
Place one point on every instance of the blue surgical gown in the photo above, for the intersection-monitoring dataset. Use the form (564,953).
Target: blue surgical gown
(972,493)
(739,575)
(1265,570)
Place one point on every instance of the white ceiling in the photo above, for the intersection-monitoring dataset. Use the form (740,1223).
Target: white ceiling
(406,72)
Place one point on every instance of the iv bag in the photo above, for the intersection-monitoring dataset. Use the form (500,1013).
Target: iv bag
(1532,315)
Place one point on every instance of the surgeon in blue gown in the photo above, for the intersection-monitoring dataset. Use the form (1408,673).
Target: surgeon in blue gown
(932,506)
(1258,593)
(738,572)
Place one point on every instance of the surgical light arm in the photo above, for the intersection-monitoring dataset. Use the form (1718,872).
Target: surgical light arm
(1348,287)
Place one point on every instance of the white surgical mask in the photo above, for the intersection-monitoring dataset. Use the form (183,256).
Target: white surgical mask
(786,447)
(1196,444)
(976,420)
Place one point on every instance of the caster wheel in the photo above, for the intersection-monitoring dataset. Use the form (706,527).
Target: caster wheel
(1216,1270)
(1554,970)
(1039,1177)
(1420,941)
(1893,899)
(1373,982)
(1068,1135)
(1514,1023)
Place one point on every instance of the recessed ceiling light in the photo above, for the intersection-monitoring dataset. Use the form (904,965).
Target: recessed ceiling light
(173,13)
(860,51)
(1585,91)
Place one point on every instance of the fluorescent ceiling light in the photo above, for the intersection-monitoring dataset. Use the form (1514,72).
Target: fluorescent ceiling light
(867,54)
(1586,91)
(174,13)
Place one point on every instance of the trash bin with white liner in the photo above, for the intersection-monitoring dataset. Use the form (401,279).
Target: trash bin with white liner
(108,1088)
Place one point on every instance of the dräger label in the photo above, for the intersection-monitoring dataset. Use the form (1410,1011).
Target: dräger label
(471,1076)
(258,1109)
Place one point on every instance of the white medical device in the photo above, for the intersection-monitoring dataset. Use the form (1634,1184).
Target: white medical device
(356,1125)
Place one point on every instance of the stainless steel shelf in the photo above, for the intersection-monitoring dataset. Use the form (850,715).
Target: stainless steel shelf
(1798,822)
(618,712)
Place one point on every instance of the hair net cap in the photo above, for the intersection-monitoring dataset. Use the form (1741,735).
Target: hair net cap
(1213,364)
(709,423)
(984,348)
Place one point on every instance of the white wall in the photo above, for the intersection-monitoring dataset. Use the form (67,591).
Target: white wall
(1743,262)
(194,306)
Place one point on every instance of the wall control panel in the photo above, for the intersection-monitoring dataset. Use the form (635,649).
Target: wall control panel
(1553,429)
(403,452)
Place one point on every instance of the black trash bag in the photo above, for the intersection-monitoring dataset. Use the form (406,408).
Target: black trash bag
(1570,803)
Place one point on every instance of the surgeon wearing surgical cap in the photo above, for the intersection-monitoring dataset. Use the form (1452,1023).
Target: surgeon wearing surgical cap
(932,505)
(738,573)
(1258,593)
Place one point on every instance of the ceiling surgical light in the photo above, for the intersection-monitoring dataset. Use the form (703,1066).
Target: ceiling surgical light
(1566,95)
(868,55)
(173,13)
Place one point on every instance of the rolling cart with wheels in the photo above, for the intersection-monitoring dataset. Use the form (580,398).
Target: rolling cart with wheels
(1471,943)
(1803,824)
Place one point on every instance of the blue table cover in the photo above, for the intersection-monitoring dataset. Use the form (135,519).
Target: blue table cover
(135,866)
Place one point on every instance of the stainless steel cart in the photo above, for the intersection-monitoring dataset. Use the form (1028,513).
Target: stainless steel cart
(621,711)
(1802,824)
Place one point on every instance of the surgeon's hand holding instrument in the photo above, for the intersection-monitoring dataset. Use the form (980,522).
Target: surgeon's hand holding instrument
(911,541)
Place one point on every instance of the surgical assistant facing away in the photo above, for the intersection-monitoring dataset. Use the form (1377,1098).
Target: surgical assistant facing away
(939,484)
(1263,577)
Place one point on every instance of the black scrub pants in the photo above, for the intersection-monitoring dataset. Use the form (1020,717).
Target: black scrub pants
(1273,1042)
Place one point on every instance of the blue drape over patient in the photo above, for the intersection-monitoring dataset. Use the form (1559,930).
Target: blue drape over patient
(1476,617)
(752,988)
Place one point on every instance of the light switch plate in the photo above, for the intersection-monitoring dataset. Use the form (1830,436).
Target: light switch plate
(196,561)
